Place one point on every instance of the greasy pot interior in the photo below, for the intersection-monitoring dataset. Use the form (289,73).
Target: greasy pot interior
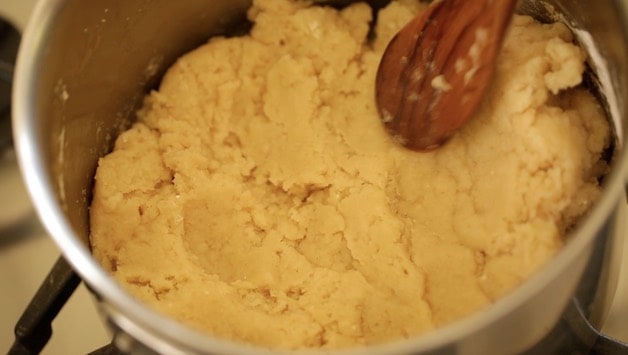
(86,66)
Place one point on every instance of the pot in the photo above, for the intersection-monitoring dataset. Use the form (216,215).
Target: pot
(84,67)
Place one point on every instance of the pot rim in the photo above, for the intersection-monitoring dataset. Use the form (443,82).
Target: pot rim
(144,323)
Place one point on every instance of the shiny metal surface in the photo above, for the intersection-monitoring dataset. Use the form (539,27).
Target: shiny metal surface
(83,69)
(100,58)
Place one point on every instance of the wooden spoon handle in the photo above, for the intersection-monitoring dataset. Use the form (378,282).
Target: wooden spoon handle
(435,71)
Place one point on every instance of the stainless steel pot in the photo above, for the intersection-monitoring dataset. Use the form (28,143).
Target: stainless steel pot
(84,67)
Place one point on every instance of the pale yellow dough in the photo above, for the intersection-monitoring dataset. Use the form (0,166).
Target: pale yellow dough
(258,197)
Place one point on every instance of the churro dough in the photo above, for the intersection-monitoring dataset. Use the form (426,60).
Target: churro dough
(260,199)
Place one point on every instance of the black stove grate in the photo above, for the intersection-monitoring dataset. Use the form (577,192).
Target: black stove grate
(34,328)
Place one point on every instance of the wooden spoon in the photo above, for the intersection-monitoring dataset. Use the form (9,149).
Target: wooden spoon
(435,71)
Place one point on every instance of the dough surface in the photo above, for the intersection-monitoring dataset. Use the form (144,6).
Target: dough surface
(259,198)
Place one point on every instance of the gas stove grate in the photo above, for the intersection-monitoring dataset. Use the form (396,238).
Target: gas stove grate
(34,328)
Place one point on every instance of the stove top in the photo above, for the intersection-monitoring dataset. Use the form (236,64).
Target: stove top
(27,256)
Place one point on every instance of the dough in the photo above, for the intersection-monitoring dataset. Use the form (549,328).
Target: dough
(258,197)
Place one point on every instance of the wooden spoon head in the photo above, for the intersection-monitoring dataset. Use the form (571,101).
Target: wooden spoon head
(435,71)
